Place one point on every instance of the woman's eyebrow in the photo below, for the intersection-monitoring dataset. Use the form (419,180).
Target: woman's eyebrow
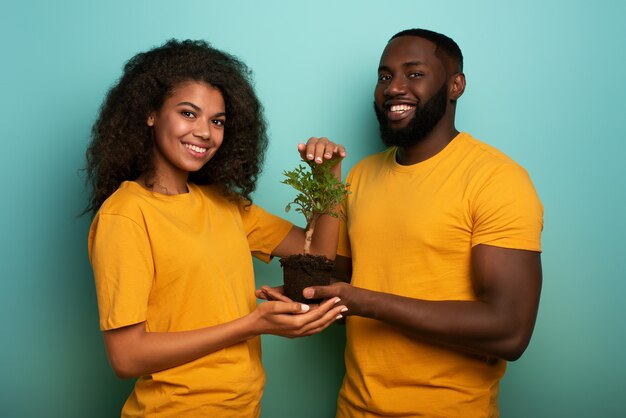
(195,107)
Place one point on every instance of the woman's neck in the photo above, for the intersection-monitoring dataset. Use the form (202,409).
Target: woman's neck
(163,186)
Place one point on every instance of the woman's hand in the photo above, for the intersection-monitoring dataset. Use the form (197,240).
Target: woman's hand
(321,150)
(279,318)
(277,294)
(133,351)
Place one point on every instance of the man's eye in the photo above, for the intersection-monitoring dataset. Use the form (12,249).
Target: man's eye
(384,77)
(415,75)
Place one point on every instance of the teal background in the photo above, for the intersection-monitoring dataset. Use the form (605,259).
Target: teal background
(545,85)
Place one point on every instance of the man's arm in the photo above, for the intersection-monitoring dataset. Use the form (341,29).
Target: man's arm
(499,323)
(342,272)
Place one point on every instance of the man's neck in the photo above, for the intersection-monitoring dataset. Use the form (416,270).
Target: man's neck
(430,146)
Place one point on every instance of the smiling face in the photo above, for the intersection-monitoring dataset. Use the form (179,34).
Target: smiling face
(188,131)
(411,96)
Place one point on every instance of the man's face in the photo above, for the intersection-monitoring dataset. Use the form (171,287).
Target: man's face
(411,95)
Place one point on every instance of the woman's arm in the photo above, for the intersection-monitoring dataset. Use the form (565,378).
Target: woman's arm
(325,237)
(134,352)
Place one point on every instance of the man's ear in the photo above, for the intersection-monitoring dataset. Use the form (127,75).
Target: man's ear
(150,120)
(457,86)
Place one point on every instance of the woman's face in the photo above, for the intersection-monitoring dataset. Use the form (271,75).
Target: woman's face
(188,129)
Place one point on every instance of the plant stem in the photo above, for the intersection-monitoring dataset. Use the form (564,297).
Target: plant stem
(308,235)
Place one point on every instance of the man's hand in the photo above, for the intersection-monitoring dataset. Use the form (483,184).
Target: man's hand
(272,293)
(499,323)
(354,298)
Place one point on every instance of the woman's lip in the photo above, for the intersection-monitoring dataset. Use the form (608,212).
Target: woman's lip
(188,146)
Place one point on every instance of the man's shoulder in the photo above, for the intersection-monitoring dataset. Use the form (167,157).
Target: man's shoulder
(374,160)
(483,149)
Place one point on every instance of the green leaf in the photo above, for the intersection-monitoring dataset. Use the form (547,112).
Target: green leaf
(319,192)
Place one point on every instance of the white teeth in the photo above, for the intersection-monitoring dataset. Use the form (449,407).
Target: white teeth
(400,108)
(195,148)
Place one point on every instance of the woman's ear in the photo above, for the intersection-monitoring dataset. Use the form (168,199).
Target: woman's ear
(457,86)
(150,120)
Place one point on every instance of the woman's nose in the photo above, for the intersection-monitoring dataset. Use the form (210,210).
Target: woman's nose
(202,129)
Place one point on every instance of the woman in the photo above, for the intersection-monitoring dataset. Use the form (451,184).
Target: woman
(175,153)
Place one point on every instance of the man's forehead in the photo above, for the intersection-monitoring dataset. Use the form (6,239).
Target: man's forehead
(411,48)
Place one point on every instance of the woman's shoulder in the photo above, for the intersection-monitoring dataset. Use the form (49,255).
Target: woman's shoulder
(126,200)
(218,195)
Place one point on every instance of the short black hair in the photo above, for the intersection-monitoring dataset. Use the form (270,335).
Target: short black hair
(443,43)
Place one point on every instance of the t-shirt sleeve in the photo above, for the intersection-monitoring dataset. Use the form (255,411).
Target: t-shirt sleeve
(263,230)
(121,257)
(507,211)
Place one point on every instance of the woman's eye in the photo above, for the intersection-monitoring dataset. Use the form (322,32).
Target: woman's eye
(188,114)
(218,122)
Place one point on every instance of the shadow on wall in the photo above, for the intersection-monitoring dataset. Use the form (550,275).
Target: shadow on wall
(67,373)
(97,392)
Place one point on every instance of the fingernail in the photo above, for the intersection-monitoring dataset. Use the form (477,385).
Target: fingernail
(318,159)
(309,156)
(328,155)
(337,300)
(307,293)
(339,316)
(304,307)
(344,309)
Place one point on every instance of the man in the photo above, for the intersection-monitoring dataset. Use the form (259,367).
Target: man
(441,247)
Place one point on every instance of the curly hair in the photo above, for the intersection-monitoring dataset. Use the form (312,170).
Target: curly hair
(122,145)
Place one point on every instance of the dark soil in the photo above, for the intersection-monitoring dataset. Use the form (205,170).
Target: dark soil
(300,271)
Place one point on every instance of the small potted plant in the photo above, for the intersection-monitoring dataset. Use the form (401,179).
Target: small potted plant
(319,193)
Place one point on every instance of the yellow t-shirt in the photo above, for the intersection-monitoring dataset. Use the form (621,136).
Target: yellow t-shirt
(180,263)
(411,230)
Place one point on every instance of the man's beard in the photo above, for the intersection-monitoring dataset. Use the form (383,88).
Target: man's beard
(425,118)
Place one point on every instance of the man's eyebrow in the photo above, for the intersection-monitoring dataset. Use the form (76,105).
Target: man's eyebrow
(406,64)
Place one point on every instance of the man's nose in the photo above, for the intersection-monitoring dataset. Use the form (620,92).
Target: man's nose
(396,86)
